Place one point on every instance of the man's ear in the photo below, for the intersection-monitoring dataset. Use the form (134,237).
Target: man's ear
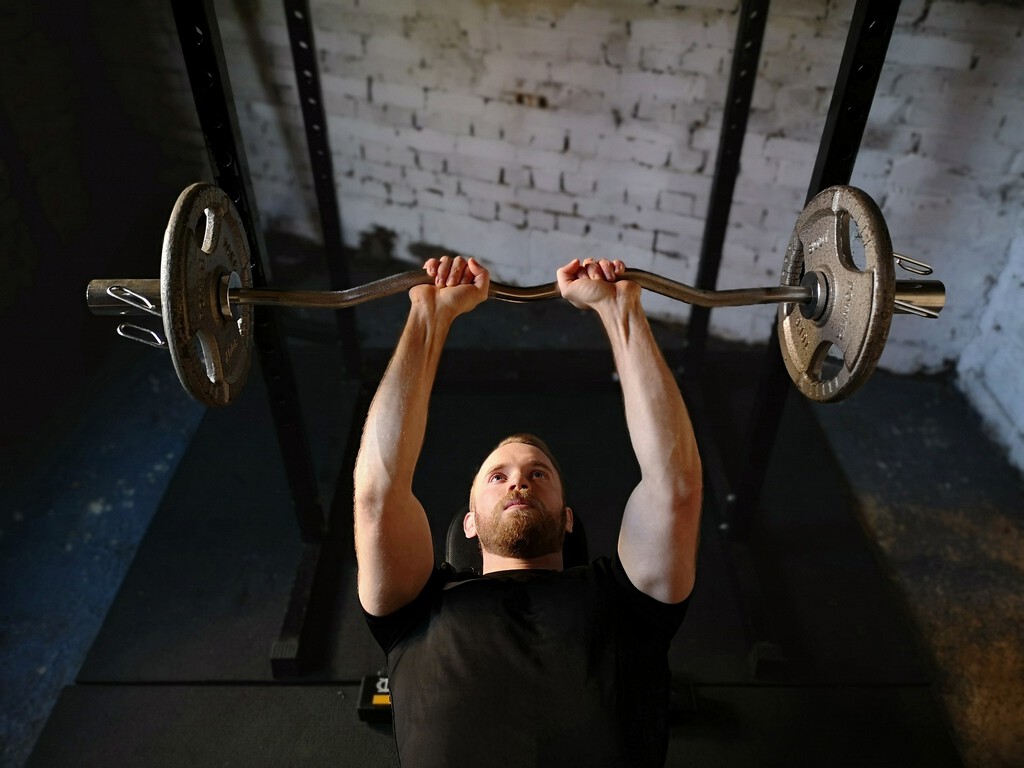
(469,525)
(568,520)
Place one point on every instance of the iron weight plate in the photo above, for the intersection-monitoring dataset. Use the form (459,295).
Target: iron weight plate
(859,307)
(204,245)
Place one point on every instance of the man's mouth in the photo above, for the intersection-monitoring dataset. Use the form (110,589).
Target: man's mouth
(518,503)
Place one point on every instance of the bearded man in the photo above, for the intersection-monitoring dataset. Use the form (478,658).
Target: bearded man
(529,664)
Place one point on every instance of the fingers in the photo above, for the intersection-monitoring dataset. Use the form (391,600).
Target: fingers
(592,269)
(449,271)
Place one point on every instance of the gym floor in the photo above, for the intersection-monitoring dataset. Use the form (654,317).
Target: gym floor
(148,548)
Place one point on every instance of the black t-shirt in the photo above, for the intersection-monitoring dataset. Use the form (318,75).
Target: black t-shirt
(530,668)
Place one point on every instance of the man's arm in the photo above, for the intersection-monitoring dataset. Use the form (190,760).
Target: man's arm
(658,538)
(393,544)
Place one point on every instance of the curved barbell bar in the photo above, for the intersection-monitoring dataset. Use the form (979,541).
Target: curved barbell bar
(138,297)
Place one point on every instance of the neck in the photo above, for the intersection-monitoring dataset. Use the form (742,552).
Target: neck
(549,562)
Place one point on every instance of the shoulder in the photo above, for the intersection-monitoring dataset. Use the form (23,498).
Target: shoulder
(643,607)
(389,628)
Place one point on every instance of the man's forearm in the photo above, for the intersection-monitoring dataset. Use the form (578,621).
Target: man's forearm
(397,419)
(659,425)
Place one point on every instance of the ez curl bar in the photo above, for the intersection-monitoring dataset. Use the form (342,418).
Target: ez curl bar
(205,295)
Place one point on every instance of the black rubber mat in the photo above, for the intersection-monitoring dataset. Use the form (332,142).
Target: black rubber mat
(811,727)
(170,726)
(207,591)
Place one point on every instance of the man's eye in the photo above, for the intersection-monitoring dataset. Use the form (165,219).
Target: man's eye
(497,477)
(537,473)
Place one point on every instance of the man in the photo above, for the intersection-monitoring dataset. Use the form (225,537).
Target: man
(529,665)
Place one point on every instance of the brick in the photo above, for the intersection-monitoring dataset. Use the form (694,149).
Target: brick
(493,242)
(487,149)
(678,246)
(706,60)
(551,249)
(688,160)
(928,51)
(759,169)
(675,202)
(545,201)
(389,174)
(538,158)
(578,183)
(516,176)
(394,46)
(484,191)
(643,195)
(684,88)
(410,97)
(434,199)
(361,214)
(638,238)
(548,44)
(421,179)
(607,211)
(542,220)
(620,149)
(593,22)
(917,172)
(452,101)
(387,115)
(433,161)
(573,225)
(587,49)
(479,168)
(954,149)
(546,138)
(795,174)
(600,231)
(547,180)
(427,140)
(974,18)
(345,44)
(512,214)
(681,28)
(389,154)
(506,74)
(451,124)
(670,222)
(486,210)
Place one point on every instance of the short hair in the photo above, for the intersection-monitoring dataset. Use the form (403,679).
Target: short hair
(531,439)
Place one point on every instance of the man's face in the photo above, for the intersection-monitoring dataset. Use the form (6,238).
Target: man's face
(516,503)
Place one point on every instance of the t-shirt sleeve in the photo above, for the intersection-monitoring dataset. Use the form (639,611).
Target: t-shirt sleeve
(665,617)
(387,630)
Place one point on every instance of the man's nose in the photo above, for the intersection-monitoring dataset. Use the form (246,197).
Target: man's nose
(519,482)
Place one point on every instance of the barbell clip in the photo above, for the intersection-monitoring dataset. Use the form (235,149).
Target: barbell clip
(906,308)
(914,267)
(133,299)
(146,336)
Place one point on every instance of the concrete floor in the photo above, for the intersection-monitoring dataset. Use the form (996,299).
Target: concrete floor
(942,504)
(946,511)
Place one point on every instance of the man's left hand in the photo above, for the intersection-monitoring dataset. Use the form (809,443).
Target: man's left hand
(593,282)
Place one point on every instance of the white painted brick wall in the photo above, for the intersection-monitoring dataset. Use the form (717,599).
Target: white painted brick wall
(528,133)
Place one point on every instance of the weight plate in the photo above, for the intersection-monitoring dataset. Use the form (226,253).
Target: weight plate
(204,246)
(859,304)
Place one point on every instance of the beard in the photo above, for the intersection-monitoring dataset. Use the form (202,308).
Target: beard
(527,532)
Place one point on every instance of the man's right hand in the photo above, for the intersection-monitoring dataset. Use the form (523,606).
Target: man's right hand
(459,285)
